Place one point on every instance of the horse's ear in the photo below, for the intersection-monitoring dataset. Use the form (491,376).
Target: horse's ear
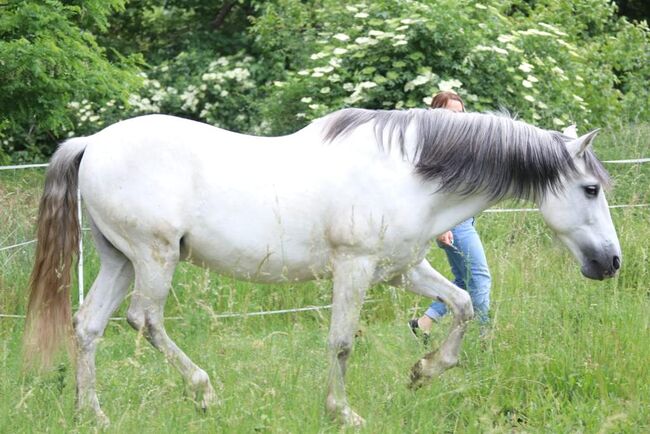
(571,131)
(577,147)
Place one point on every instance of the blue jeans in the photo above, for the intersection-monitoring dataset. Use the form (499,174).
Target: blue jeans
(471,273)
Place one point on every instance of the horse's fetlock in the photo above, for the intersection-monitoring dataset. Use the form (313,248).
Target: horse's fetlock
(332,405)
(447,362)
(200,379)
(443,359)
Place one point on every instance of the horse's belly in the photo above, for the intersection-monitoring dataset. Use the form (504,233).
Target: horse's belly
(259,260)
(261,268)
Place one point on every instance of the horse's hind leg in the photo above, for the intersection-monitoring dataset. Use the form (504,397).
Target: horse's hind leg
(153,276)
(106,294)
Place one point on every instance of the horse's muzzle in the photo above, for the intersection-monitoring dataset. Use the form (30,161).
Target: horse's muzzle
(601,269)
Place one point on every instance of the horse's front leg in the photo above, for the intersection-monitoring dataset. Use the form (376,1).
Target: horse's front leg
(351,277)
(424,280)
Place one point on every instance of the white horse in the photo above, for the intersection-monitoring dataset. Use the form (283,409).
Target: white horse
(356,196)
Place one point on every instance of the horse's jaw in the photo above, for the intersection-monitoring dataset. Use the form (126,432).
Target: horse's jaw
(598,261)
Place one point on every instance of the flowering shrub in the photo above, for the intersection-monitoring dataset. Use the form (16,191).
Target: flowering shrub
(218,93)
(545,67)
(551,64)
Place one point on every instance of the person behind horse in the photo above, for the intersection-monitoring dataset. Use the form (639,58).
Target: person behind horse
(464,252)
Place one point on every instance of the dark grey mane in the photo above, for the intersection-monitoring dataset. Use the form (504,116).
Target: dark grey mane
(472,152)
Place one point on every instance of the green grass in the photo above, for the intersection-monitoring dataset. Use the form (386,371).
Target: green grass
(565,354)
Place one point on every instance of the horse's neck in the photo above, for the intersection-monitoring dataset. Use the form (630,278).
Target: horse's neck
(449,209)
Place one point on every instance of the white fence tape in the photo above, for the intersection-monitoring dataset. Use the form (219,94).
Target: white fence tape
(491,210)
(2,249)
(638,160)
(631,161)
(495,210)
(23,166)
(233,315)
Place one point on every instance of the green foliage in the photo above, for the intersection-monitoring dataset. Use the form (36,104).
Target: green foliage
(551,62)
(269,67)
(194,85)
(160,30)
(47,60)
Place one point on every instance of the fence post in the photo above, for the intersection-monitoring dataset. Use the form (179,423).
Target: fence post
(80,263)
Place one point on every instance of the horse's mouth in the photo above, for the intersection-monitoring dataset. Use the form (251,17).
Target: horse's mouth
(596,270)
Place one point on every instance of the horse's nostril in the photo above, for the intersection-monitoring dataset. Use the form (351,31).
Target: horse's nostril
(617,263)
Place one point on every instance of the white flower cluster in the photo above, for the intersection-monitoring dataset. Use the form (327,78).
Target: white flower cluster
(536,32)
(216,76)
(492,48)
(344,44)
(190,98)
(553,29)
(142,104)
(87,115)
(449,85)
(9,140)
(222,74)
(357,90)
(423,78)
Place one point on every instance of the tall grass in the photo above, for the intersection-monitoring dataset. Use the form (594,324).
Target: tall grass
(564,355)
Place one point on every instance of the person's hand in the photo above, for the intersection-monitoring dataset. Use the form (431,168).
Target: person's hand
(447,238)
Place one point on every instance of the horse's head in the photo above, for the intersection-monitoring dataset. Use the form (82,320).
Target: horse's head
(579,214)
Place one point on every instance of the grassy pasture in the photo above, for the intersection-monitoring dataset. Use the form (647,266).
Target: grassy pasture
(565,354)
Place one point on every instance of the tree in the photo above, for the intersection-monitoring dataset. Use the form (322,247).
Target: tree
(47,60)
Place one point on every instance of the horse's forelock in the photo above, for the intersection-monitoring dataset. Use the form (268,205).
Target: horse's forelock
(596,168)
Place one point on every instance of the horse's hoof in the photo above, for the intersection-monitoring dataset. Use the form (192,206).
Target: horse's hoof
(102,420)
(352,419)
(208,399)
(92,413)
(426,368)
(201,390)
(343,414)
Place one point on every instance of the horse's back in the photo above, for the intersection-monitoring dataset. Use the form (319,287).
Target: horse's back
(226,195)
(259,208)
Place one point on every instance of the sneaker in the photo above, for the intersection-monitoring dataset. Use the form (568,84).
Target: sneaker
(418,332)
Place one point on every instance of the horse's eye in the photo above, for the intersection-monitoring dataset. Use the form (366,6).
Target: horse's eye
(591,190)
